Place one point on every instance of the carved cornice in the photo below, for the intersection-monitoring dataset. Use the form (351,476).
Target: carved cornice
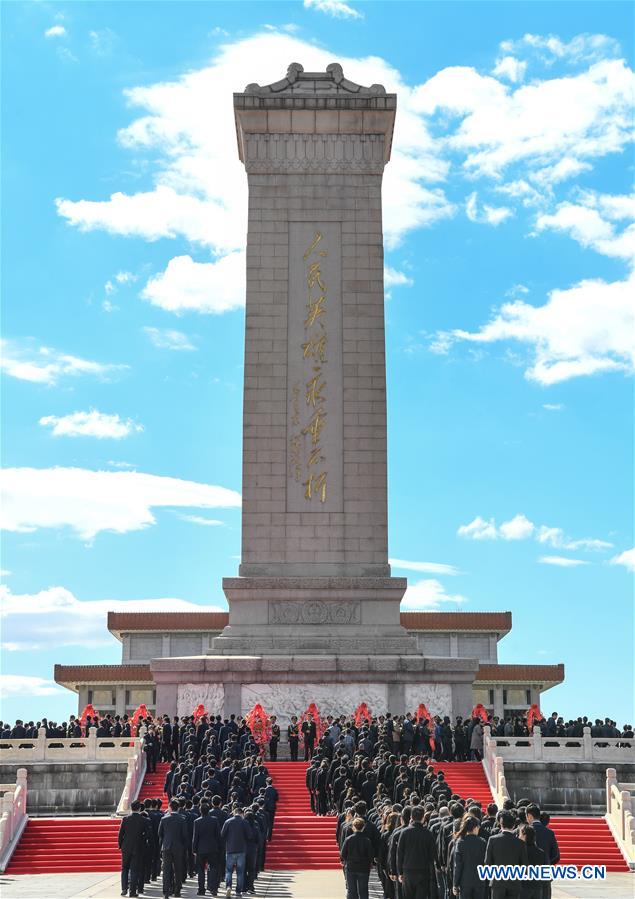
(298,82)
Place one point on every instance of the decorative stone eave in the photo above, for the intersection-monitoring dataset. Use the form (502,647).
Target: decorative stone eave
(315,103)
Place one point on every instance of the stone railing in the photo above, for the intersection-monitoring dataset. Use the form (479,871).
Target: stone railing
(537,748)
(76,749)
(620,814)
(134,779)
(494,769)
(14,817)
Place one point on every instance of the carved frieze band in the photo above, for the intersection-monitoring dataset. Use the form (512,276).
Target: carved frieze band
(314,612)
(362,153)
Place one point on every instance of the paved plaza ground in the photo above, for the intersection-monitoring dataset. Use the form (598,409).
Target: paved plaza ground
(271,885)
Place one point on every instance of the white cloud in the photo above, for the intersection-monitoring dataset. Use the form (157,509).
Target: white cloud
(549,47)
(125,277)
(336,8)
(169,339)
(186,131)
(591,223)
(27,685)
(90,424)
(107,306)
(395,278)
(24,360)
(89,502)
(427,567)
(581,330)
(562,561)
(102,41)
(109,288)
(4,572)
(565,168)
(56,616)
(627,559)
(429,594)
(521,528)
(489,215)
(56,31)
(557,538)
(553,407)
(493,125)
(200,519)
(518,528)
(212,287)
(511,68)
(479,529)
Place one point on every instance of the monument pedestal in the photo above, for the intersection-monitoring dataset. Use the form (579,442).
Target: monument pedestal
(285,685)
(311,615)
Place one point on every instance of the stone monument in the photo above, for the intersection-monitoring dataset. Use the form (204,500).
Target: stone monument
(314,614)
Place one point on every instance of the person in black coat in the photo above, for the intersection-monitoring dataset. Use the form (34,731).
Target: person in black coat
(545,840)
(132,843)
(309,733)
(533,889)
(357,857)
(469,853)
(173,839)
(207,847)
(505,848)
(415,856)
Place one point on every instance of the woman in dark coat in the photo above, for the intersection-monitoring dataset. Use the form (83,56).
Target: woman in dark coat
(469,853)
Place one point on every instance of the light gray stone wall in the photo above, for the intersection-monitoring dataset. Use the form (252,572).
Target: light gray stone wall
(277,537)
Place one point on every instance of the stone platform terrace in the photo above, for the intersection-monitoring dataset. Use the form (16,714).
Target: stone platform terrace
(271,885)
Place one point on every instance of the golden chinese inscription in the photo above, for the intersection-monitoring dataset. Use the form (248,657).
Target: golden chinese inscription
(306,450)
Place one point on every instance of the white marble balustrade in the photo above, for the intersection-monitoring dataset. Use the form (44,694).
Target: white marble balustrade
(76,749)
(13,817)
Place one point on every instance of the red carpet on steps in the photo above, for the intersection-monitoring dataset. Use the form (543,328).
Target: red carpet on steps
(300,841)
(65,845)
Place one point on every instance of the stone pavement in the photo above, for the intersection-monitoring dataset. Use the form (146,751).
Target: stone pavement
(271,885)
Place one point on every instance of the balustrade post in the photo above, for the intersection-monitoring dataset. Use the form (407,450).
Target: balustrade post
(611,778)
(625,797)
(588,744)
(21,779)
(92,744)
(40,750)
(537,738)
(7,814)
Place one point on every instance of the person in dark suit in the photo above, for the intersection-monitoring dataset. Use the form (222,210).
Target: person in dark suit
(415,856)
(293,733)
(357,857)
(173,839)
(309,733)
(132,843)
(533,889)
(545,840)
(469,853)
(166,739)
(274,739)
(207,848)
(505,848)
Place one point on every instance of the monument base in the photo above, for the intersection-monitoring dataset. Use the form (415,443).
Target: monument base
(314,616)
(285,685)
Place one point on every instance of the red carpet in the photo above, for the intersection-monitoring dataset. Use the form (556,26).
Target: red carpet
(301,840)
(64,845)
(467,779)
(152,786)
(587,841)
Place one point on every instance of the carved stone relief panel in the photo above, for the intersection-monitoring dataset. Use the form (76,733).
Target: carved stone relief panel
(212,696)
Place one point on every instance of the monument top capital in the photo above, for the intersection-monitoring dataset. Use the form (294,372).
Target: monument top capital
(298,83)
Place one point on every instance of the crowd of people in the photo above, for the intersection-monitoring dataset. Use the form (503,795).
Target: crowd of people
(169,738)
(398,813)
(220,815)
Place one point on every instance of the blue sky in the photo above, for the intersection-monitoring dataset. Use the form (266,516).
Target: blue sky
(509,247)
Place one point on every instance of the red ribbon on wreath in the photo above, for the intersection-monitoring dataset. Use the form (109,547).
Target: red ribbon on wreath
(534,715)
(313,710)
(422,712)
(362,713)
(479,711)
(89,711)
(259,724)
(139,713)
(198,712)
